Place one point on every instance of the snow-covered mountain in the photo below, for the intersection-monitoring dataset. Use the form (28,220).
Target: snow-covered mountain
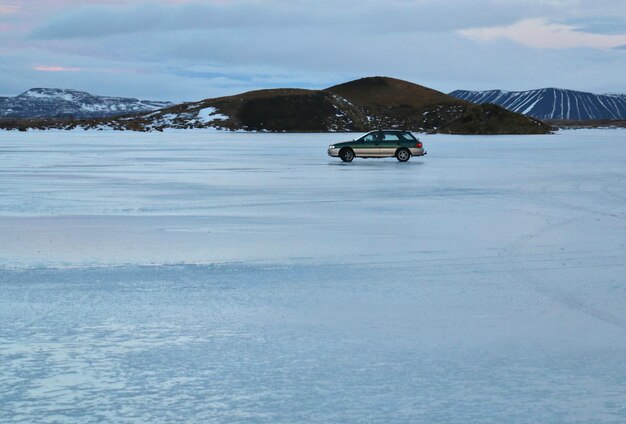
(552,103)
(57,103)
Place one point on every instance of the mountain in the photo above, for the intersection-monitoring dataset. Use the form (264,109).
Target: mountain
(553,103)
(62,103)
(361,105)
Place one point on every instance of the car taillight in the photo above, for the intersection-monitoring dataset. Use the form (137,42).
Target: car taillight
(419,145)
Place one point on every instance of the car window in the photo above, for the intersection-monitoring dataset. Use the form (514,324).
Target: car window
(408,136)
(389,136)
(369,137)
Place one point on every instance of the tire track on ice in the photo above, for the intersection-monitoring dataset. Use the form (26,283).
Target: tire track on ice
(512,253)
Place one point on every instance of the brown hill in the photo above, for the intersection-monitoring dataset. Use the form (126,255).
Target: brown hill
(284,110)
(393,103)
(361,105)
(492,119)
(385,92)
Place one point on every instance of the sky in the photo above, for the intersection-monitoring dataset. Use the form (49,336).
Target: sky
(185,50)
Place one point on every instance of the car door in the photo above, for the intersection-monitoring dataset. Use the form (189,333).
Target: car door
(389,144)
(369,145)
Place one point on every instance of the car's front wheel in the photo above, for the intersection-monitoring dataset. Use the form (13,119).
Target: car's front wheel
(346,154)
(403,154)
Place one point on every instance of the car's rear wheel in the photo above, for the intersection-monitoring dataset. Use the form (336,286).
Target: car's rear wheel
(346,154)
(403,154)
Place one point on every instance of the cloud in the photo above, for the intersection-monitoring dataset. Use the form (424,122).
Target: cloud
(538,33)
(103,21)
(303,37)
(44,68)
(8,9)
(371,16)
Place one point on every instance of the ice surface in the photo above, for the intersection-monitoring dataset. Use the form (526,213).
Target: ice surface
(233,277)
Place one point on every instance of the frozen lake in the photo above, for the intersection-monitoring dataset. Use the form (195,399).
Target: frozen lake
(218,277)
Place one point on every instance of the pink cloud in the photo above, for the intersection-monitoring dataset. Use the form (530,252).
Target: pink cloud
(65,4)
(56,69)
(538,33)
(8,9)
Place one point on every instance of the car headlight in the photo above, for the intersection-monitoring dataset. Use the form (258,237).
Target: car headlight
(332,146)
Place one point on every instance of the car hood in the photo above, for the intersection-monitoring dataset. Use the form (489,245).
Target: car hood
(343,143)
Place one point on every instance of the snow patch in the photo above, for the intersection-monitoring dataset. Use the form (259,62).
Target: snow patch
(60,95)
(210,114)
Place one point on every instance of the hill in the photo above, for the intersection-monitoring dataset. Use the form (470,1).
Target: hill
(360,105)
(552,103)
(393,103)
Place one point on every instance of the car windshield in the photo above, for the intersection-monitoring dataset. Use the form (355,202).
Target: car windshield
(368,137)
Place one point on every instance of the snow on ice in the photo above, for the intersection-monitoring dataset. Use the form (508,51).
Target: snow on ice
(233,277)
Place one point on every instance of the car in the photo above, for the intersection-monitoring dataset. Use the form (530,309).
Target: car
(379,144)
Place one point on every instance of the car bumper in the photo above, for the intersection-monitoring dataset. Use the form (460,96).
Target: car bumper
(333,152)
(417,152)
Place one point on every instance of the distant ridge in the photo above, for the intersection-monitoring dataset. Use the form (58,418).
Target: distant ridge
(66,103)
(552,103)
(360,105)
